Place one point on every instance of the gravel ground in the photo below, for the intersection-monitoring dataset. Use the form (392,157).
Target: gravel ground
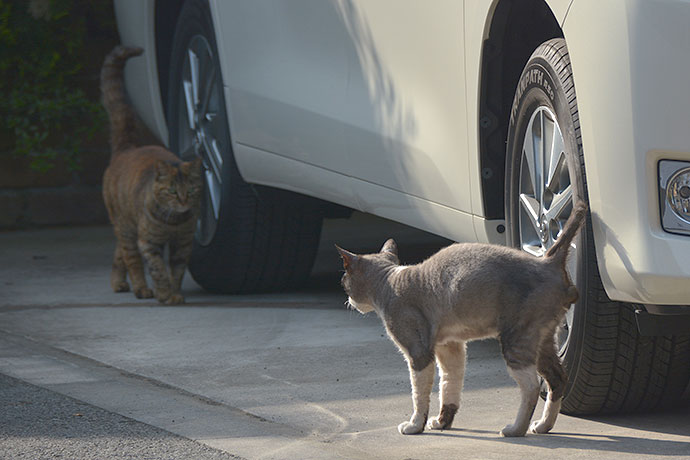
(40,424)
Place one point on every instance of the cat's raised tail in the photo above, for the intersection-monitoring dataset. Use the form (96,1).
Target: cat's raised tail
(123,121)
(577,217)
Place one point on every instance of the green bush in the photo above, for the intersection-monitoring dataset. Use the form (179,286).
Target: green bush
(47,115)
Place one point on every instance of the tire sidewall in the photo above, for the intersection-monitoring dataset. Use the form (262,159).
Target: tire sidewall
(195,19)
(540,85)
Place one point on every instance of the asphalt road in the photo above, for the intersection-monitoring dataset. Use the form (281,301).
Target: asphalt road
(87,373)
(41,424)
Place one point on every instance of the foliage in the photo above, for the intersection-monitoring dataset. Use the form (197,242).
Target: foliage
(47,114)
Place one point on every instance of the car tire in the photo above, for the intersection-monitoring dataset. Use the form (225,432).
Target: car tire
(248,238)
(610,366)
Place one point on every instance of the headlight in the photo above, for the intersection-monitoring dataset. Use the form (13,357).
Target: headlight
(674,196)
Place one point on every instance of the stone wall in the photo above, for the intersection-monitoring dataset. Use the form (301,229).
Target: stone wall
(30,199)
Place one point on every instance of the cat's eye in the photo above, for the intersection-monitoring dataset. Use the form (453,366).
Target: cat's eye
(172,190)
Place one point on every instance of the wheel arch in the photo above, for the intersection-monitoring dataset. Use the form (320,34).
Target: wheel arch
(514,30)
(166,13)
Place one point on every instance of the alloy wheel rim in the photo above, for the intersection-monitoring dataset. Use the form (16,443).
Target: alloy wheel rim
(546,198)
(201,124)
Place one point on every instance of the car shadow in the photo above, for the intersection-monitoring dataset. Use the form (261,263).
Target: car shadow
(585,442)
(671,421)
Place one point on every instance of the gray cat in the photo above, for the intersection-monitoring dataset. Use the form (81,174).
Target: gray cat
(466,292)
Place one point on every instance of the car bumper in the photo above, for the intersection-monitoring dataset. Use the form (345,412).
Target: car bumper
(630,65)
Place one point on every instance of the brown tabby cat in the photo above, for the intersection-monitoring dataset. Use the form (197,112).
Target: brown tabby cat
(152,197)
(467,292)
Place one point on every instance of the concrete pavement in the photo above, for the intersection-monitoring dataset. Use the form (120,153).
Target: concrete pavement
(288,375)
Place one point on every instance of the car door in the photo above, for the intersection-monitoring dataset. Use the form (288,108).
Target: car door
(286,75)
(405,110)
(372,90)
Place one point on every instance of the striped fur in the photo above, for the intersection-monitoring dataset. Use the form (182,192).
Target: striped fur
(152,198)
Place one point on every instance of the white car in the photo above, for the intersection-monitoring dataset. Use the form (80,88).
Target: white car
(459,117)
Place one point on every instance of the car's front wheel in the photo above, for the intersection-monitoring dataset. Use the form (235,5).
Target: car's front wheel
(248,238)
(610,366)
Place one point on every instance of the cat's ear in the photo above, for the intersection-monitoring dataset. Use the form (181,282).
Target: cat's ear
(192,168)
(348,257)
(162,169)
(390,247)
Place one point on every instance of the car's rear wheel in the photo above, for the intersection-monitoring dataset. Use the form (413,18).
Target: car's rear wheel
(610,366)
(248,238)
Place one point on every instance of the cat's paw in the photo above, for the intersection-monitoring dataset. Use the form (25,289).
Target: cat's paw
(122,286)
(540,427)
(175,299)
(410,428)
(511,431)
(437,424)
(143,293)
(444,419)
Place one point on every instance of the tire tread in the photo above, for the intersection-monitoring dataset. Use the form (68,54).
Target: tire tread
(618,370)
(263,242)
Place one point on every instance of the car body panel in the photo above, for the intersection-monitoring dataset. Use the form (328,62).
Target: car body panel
(138,30)
(405,111)
(352,87)
(634,110)
(286,73)
(353,102)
